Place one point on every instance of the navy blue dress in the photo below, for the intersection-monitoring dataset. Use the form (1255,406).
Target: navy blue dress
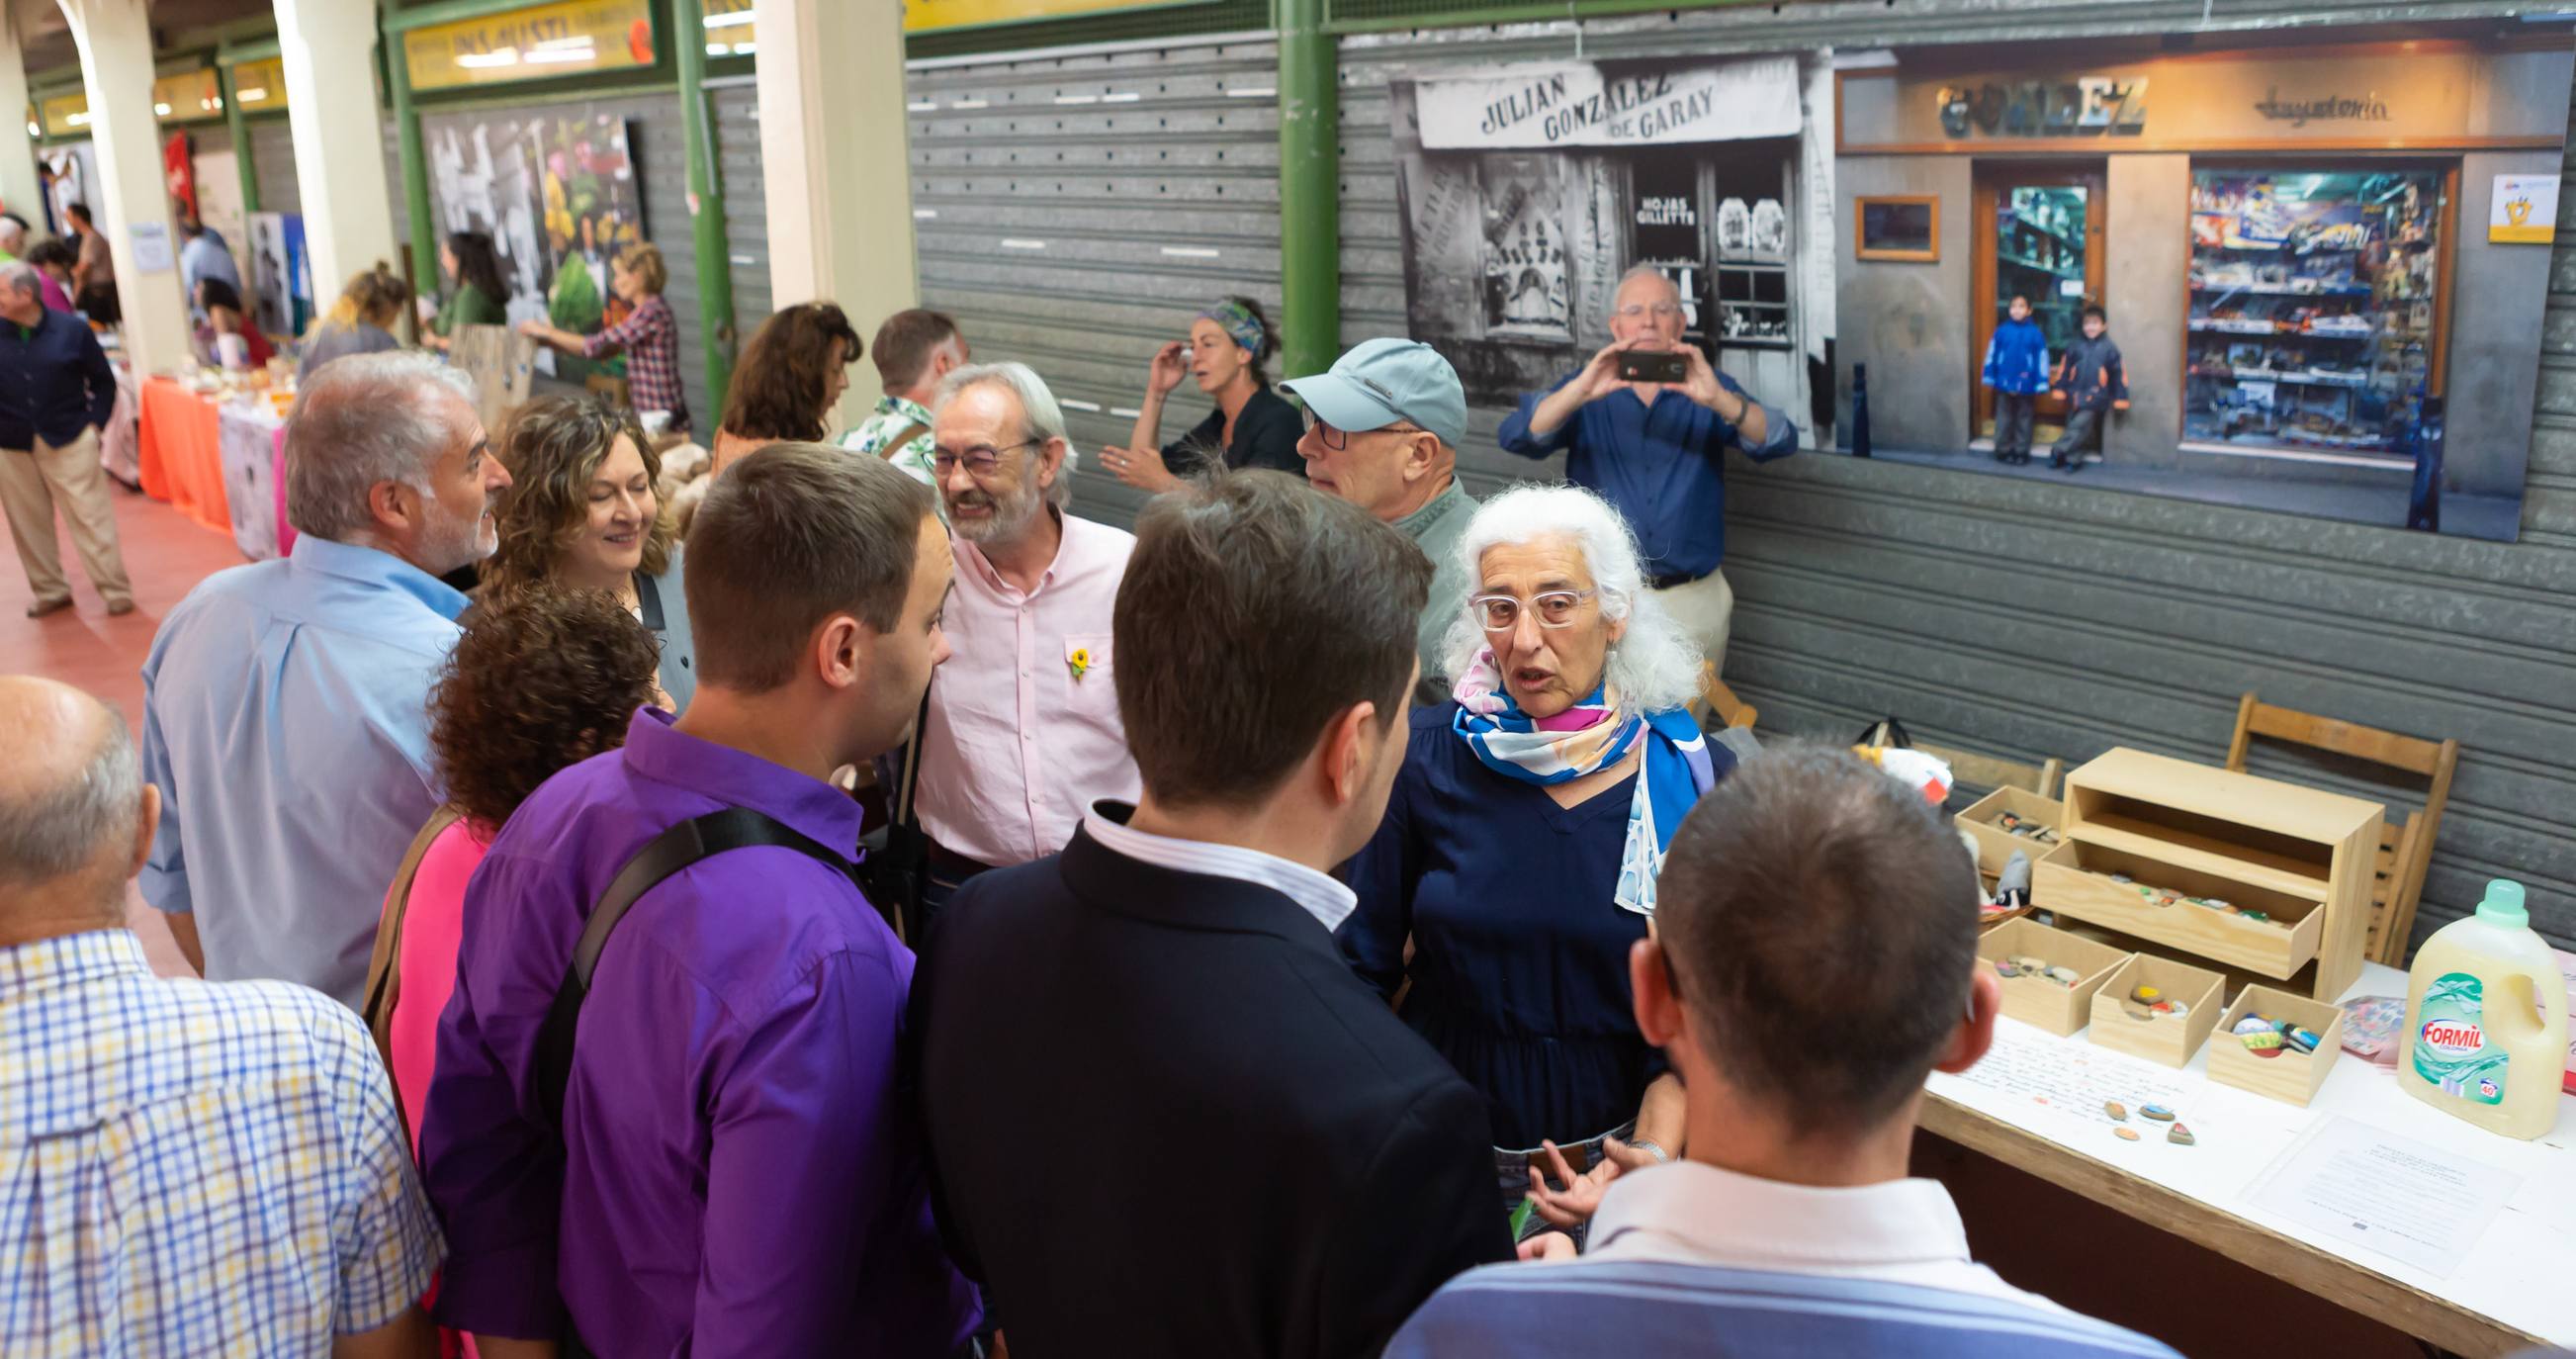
(1520,965)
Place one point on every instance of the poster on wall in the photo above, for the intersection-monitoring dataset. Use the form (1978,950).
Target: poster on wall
(281,276)
(1526,193)
(557,193)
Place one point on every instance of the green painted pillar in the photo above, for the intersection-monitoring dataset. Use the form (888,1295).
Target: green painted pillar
(1310,239)
(415,173)
(238,123)
(706,203)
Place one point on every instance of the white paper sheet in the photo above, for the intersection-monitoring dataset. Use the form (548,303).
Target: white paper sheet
(2422,1204)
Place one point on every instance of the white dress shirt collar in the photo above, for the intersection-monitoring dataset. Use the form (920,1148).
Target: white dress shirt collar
(1322,897)
(1692,1211)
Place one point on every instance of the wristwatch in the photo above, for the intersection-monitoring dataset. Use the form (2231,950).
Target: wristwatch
(1662,1157)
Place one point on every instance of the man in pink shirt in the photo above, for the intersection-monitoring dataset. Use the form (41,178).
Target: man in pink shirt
(1023,731)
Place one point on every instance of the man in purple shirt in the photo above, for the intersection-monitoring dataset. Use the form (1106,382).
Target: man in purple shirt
(737,1172)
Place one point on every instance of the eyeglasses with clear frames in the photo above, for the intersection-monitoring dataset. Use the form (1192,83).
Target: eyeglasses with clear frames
(980,460)
(1501,613)
(1639,310)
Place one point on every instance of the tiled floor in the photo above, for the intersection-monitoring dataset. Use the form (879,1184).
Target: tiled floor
(166,554)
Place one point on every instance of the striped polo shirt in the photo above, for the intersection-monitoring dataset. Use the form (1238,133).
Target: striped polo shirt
(1688,1259)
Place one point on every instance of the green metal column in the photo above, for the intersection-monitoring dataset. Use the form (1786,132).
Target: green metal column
(1310,240)
(238,123)
(706,201)
(415,170)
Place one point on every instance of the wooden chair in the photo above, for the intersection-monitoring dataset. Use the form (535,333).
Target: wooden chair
(1718,702)
(2405,851)
(1989,771)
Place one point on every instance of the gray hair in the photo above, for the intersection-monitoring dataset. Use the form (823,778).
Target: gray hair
(13,233)
(1645,271)
(20,276)
(1654,665)
(362,421)
(58,831)
(1040,416)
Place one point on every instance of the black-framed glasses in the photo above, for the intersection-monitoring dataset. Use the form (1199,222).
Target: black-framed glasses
(1501,613)
(980,460)
(1337,438)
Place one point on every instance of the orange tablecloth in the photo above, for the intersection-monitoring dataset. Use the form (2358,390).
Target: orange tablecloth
(181,456)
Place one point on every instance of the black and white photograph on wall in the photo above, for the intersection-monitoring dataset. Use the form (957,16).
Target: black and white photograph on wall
(484,177)
(1526,192)
(2153,274)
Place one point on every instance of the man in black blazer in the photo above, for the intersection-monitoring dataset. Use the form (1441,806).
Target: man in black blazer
(1164,1117)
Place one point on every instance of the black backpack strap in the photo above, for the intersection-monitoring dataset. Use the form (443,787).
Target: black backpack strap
(663,855)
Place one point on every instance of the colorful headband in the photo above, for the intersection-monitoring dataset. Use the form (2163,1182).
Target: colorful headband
(1237,320)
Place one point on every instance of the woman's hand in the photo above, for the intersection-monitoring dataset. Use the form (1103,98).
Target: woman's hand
(1141,468)
(1581,1196)
(1166,370)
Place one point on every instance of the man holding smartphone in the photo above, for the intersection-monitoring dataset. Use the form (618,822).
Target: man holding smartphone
(1646,424)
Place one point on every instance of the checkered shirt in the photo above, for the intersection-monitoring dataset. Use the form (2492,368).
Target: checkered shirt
(650,335)
(193,1168)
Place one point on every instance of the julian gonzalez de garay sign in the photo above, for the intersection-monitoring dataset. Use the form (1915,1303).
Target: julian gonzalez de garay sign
(1578,105)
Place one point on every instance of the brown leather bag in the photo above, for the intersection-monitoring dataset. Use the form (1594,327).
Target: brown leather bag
(384,965)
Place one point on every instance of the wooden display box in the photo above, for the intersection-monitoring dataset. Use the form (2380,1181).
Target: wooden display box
(2293,1076)
(2039,1001)
(1995,845)
(2304,857)
(2163,1039)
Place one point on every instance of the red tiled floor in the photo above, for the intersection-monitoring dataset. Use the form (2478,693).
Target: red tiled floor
(166,554)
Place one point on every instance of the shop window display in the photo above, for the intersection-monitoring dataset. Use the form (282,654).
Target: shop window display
(2312,312)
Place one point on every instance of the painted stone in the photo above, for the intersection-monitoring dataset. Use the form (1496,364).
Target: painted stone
(2180,1136)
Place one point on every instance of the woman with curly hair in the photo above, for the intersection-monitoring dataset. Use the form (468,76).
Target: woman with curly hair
(582,514)
(792,373)
(540,679)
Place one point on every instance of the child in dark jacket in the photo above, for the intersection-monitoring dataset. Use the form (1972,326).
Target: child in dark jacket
(2017,371)
(2091,384)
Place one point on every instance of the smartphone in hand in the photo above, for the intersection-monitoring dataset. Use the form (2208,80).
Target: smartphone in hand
(1651,366)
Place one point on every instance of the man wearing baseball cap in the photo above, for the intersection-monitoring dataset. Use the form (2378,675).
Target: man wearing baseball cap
(1383,429)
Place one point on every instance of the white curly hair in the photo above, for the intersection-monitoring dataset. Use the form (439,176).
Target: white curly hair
(1654,665)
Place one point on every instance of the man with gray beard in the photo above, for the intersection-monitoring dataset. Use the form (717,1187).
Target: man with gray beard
(1021,731)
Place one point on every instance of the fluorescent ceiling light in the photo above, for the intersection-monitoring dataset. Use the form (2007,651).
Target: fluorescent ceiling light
(254,94)
(507,56)
(161,110)
(735,19)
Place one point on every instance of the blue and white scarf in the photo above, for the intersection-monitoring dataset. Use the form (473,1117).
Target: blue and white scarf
(1587,738)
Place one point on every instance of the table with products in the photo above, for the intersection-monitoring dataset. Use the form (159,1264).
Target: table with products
(217,458)
(2037,1103)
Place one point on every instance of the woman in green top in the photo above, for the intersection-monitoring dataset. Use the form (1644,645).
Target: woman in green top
(481,290)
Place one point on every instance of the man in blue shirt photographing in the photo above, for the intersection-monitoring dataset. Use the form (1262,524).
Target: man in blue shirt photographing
(1650,435)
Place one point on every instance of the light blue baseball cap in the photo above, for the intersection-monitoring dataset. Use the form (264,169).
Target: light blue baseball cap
(1382,381)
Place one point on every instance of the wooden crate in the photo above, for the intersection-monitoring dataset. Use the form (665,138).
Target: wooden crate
(2163,1039)
(2293,1076)
(2305,857)
(1995,845)
(2041,1002)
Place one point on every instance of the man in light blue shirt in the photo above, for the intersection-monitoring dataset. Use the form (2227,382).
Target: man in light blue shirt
(1787,1224)
(285,703)
(204,257)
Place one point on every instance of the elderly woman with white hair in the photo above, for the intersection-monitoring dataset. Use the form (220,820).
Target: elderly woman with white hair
(1522,841)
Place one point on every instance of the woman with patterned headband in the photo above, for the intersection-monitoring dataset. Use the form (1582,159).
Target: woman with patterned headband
(1252,426)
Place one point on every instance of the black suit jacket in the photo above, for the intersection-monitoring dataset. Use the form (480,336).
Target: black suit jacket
(1165,1118)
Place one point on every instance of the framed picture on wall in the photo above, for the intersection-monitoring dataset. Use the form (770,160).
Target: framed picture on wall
(1900,227)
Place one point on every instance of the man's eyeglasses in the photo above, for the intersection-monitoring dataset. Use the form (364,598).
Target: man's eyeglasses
(1336,438)
(980,460)
(1555,608)
(1638,311)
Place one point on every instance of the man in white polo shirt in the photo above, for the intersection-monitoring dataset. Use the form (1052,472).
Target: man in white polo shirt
(1803,1038)
(1022,731)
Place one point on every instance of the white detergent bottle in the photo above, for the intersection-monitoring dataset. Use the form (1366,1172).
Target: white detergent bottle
(2486,1020)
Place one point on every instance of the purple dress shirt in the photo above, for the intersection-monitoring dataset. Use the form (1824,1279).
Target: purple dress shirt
(742,1173)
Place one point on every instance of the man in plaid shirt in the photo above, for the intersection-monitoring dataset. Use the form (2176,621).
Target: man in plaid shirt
(649,337)
(186,1168)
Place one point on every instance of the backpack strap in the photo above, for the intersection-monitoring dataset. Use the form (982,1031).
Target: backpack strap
(665,854)
(384,964)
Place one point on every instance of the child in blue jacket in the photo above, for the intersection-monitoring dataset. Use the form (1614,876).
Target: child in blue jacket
(2017,370)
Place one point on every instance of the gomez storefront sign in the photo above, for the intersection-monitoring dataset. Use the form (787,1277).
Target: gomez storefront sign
(1538,107)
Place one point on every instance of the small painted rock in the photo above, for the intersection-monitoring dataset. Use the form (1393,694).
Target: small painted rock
(2299,1038)
(2172,1007)
(2122,877)
(2261,1044)
(2125,1134)
(2065,976)
(2252,1024)
(2146,995)
(2007,969)
(2269,1052)
(2180,1136)
(2138,1012)
(2119,1112)
(2258,917)
(2158,1112)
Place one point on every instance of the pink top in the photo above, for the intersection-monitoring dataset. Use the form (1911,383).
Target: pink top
(432,927)
(1021,739)
(53,293)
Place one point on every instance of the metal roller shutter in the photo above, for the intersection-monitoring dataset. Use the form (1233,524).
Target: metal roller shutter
(737,124)
(1076,209)
(2031,620)
(272,146)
